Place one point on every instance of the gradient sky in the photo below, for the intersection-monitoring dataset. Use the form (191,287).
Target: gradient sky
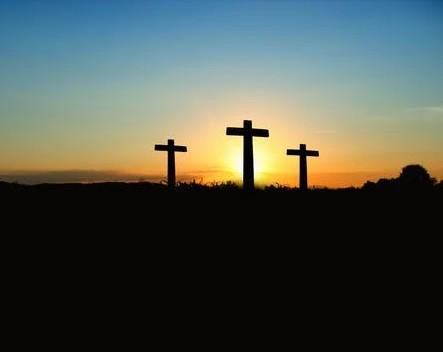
(87,87)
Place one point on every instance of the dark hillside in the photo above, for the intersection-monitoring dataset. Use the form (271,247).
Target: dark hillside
(143,259)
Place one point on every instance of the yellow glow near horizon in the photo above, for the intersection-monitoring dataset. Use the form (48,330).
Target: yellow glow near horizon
(263,165)
(237,165)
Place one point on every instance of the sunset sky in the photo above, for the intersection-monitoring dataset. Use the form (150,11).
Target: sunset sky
(87,87)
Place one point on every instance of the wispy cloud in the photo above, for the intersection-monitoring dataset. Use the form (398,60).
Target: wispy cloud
(433,109)
(432,113)
(438,109)
(74,176)
(89,176)
(326,132)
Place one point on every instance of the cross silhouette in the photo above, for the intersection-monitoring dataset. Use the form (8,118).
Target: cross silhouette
(248,154)
(171,149)
(303,153)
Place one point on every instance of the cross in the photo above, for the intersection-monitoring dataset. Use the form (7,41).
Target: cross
(303,153)
(248,155)
(171,149)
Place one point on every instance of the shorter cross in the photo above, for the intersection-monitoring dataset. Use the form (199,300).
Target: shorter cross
(171,149)
(303,153)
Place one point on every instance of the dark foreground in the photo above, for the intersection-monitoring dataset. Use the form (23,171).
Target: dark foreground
(140,259)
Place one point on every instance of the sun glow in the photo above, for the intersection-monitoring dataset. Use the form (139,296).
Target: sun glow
(262,165)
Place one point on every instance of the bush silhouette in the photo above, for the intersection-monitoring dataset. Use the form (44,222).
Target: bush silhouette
(383,184)
(415,177)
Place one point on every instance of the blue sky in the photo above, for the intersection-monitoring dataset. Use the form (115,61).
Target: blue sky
(92,85)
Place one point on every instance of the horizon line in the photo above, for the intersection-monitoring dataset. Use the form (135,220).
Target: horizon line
(318,179)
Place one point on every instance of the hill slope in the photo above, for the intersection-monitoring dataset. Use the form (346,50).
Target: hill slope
(142,259)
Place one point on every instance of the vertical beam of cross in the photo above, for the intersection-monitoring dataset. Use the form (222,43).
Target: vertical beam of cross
(248,151)
(171,148)
(303,153)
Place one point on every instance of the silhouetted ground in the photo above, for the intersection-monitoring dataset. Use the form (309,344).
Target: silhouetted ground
(142,259)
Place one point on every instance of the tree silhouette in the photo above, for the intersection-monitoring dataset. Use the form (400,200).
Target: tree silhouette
(415,177)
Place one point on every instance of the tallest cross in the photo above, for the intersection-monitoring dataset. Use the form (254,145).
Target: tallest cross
(248,151)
